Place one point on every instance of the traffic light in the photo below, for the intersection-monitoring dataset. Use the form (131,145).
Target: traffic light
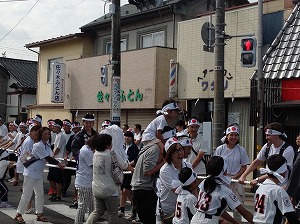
(104,75)
(248,54)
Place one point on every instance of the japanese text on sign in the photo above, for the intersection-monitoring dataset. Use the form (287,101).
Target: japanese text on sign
(205,84)
(130,96)
(58,78)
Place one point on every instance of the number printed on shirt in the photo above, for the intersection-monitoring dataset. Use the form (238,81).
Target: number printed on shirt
(204,200)
(260,203)
(178,209)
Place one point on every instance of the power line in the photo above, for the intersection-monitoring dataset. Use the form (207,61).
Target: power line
(20,20)
(13,0)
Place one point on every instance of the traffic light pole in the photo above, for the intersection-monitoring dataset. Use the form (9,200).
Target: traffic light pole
(115,110)
(260,88)
(219,113)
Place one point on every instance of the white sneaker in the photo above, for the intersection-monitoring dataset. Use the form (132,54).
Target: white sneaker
(121,214)
(11,180)
(4,204)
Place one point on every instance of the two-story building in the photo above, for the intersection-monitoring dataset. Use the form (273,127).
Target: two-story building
(17,88)
(148,42)
(196,67)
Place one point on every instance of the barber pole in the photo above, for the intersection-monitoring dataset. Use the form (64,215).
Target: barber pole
(173,79)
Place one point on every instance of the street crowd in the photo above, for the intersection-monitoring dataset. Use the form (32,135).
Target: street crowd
(163,171)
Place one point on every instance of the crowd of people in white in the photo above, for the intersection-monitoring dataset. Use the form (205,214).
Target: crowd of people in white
(163,163)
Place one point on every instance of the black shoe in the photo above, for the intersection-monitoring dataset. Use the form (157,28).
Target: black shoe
(53,197)
(74,205)
(57,198)
(132,217)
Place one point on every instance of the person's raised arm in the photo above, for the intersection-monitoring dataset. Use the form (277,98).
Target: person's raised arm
(249,169)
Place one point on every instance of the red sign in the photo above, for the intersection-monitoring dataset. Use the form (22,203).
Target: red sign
(290,89)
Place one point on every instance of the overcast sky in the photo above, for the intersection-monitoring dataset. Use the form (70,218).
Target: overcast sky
(27,21)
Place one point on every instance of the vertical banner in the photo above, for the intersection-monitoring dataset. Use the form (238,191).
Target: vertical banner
(58,82)
(115,99)
(173,79)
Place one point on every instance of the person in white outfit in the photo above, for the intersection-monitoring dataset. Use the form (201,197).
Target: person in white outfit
(33,175)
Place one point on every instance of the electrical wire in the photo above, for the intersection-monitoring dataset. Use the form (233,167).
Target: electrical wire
(13,1)
(19,21)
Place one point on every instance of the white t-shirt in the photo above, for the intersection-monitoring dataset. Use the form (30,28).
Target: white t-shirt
(185,207)
(60,142)
(235,158)
(288,154)
(17,140)
(9,138)
(84,172)
(36,169)
(157,124)
(3,130)
(53,136)
(199,145)
(212,204)
(167,174)
(138,137)
(67,136)
(26,146)
(265,197)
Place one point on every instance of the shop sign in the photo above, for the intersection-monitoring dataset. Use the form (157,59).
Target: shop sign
(58,77)
(206,84)
(130,96)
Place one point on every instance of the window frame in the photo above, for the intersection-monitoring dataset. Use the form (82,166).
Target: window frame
(49,69)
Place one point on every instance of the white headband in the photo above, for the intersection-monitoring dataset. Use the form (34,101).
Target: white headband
(186,142)
(67,123)
(169,142)
(15,124)
(106,123)
(168,134)
(276,173)
(88,119)
(232,129)
(76,126)
(193,121)
(56,125)
(274,132)
(38,119)
(178,184)
(170,106)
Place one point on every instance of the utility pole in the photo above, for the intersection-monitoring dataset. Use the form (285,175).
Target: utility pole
(115,110)
(260,87)
(219,113)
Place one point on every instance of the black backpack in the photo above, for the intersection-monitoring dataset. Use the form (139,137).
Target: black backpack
(281,151)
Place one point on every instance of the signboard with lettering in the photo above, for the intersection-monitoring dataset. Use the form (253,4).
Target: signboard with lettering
(58,82)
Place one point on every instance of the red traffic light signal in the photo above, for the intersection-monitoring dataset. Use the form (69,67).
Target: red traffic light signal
(247,44)
(248,53)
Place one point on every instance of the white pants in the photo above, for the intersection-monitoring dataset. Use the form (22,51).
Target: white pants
(199,217)
(30,185)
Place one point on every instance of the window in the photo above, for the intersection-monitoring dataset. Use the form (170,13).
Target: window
(152,39)
(50,61)
(123,46)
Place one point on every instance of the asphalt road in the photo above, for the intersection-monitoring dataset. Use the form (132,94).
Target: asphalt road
(56,212)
